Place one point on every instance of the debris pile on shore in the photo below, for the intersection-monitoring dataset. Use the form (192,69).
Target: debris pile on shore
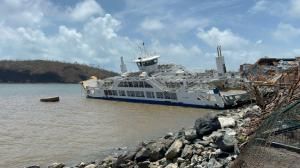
(213,142)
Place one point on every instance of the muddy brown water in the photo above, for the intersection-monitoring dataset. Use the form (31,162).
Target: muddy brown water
(77,129)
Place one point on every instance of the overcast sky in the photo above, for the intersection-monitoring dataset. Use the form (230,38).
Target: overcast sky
(182,31)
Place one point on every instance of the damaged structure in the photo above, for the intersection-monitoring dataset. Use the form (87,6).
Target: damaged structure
(267,68)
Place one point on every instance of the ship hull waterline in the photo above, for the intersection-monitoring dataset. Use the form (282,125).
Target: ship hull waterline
(169,103)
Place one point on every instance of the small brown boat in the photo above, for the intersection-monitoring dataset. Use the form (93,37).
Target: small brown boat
(50,99)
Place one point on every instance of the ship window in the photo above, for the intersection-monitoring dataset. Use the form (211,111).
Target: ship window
(114,93)
(135,84)
(173,96)
(150,94)
(141,84)
(151,62)
(139,94)
(125,84)
(122,93)
(147,85)
(130,84)
(110,93)
(160,95)
(130,93)
(167,95)
(107,83)
(121,84)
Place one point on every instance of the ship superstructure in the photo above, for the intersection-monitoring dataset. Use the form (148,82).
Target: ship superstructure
(165,84)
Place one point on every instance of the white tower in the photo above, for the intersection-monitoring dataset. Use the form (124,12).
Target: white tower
(221,68)
(123,66)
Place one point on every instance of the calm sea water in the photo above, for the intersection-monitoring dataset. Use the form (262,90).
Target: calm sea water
(76,129)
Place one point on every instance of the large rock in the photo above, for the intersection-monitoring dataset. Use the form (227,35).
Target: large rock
(130,155)
(153,151)
(56,165)
(90,166)
(174,150)
(144,164)
(187,152)
(155,165)
(226,122)
(158,149)
(169,135)
(121,160)
(213,163)
(172,165)
(214,135)
(206,125)
(196,159)
(142,155)
(163,162)
(202,142)
(190,134)
(226,143)
(107,161)
(81,165)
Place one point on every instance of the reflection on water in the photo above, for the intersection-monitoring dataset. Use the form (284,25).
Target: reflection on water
(76,129)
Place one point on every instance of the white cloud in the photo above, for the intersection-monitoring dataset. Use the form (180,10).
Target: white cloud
(97,43)
(294,10)
(85,9)
(226,38)
(14,3)
(284,9)
(194,57)
(258,42)
(236,49)
(24,12)
(191,23)
(259,6)
(107,24)
(286,32)
(179,53)
(152,24)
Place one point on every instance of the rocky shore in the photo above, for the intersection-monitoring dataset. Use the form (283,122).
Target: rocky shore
(213,142)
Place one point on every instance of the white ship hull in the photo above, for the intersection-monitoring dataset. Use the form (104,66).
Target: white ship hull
(155,95)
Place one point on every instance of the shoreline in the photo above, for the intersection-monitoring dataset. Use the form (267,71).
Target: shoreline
(214,140)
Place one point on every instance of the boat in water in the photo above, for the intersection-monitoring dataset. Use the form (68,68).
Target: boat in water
(170,84)
(50,99)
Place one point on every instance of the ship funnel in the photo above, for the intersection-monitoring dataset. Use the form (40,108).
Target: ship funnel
(123,66)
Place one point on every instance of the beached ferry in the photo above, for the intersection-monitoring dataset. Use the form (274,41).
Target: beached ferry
(168,84)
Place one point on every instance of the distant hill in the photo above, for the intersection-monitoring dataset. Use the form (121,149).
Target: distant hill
(40,71)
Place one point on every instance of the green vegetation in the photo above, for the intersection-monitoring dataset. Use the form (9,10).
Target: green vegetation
(40,71)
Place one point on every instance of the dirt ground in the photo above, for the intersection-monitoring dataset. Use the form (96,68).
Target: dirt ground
(267,157)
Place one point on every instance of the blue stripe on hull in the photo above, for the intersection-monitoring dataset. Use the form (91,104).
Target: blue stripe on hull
(155,102)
